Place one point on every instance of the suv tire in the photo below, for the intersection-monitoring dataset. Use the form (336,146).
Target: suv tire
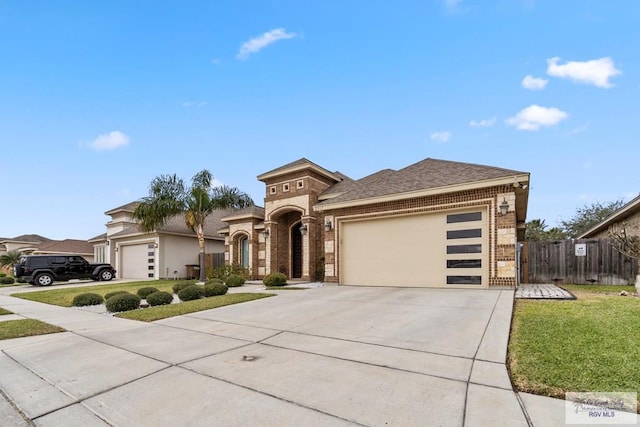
(105,275)
(44,279)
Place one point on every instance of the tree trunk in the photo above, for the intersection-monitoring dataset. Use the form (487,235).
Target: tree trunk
(201,256)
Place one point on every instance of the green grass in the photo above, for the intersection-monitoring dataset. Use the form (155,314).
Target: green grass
(283,288)
(164,311)
(589,344)
(64,296)
(25,328)
(614,289)
(3,311)
(13,284)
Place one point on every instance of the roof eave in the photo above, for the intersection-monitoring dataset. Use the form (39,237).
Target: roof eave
(298,168)
(604,224)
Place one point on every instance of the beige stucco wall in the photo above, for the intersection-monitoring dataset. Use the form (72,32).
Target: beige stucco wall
(175,252)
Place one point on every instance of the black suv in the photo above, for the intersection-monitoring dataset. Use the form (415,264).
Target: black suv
(43,270)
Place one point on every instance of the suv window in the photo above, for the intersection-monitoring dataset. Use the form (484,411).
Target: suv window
(58,260)
(38,262)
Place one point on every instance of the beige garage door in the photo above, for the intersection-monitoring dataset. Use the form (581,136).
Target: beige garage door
(427,250)
(137,261)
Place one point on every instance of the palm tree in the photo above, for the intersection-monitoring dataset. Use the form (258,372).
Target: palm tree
(168,196)
(10,258)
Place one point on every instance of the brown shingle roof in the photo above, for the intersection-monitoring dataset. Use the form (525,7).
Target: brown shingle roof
(67,246)
(426,174)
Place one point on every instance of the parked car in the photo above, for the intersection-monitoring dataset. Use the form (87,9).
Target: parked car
(43,270)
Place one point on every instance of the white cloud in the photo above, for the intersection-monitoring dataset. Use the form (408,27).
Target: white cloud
(534,117)
(258,43)
(596,72)
(110,141)
(440,137)
(487,123)
(534,83)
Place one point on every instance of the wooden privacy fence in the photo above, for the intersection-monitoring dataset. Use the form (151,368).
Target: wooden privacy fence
(212,261)
(576,261)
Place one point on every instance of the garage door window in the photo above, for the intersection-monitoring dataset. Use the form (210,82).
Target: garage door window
(464,217)
(464,280)
(464,249)
(464,234)
(464,263)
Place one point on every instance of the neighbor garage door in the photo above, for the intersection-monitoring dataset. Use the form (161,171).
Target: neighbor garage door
(136,263)
(446,249)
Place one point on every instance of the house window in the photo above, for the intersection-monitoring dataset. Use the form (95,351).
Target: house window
(464,217)
(285,187)
(300,184)
(244,252)
(272,190)
(464,234)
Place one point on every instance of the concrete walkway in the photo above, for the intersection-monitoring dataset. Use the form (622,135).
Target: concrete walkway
(326,356)
(542,291)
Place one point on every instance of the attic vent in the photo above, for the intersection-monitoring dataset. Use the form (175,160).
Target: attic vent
(300,184)
(285,187)
(272,190)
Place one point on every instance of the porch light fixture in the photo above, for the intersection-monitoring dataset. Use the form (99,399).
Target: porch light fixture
(504,207)
(155,245)
(328,226)
(265,233)
(107,244)
(303,229)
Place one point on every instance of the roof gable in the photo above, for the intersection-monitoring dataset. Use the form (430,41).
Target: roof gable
(297,166)
(631,208)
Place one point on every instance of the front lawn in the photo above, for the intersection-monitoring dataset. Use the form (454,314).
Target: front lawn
(64,296)
(3,311)
(170,310)
(588,344)
(26,328)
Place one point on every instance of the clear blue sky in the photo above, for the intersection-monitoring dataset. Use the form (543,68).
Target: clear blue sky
(98,97)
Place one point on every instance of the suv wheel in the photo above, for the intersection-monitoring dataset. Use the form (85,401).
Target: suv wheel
(44,279)
(105,275)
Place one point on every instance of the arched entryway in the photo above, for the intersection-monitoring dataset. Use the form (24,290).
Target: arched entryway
(296,251)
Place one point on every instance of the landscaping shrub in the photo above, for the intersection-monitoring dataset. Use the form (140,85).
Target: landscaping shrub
(123,302)
(214,280)
(114,293)
(213,289)
(7,280)
(146,291)
(81,300)
(234,280)
(190,293)
(3,274)
(224,271)
(159,298)
(275,279)
(181,285)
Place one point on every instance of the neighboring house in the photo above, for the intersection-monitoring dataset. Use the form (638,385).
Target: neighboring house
(26,243)
(435,223)
(66,247)
(172,251)
(627,216)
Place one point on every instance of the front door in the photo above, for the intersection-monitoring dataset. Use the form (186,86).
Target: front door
(296,252)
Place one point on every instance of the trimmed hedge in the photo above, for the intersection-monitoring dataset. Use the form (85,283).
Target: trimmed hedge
(89,298)
(146,291)
(191,293)
(213,289)
(275,279)
(7,280)
(159,298)
(123,302)
(214,280)
(181,285)
(114,293)
(235,280)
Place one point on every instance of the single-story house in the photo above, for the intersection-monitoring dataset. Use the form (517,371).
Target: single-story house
(66,247)
(627,216)
(25,244)
(170,252)
(434,223)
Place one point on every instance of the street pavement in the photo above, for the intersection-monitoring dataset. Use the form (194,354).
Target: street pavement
(327,356)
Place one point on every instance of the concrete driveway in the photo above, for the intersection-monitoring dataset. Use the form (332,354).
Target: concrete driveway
(326,356)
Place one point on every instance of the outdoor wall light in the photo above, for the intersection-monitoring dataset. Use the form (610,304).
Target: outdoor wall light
(504,207)
(155,245)
(303,229)
(328,226)
(265,233)
(116,249)
(107,244)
